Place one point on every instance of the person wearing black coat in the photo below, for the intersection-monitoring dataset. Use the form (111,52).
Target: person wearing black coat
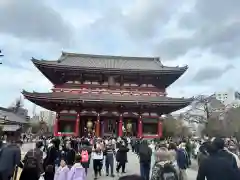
(69,153)
(53,154)
(216,167)
(219,144)
(121,157)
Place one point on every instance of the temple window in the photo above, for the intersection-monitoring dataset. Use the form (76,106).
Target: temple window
(72,111)
(95,92)
(134,85)
(136,94)
(63,111)
(85,92)
(116,93)
(75,92)
(153,94)
(105,92)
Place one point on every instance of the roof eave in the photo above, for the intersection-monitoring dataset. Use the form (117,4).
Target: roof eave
(40,63)
(29,95)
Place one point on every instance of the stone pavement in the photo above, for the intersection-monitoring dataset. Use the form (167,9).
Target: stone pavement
(132,166)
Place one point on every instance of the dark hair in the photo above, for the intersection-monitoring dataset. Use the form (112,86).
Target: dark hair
(211,149)
(131,177)
(172,146)
(78,158)
(39,144)
(218,143)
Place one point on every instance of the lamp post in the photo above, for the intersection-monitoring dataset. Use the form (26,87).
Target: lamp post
(1,55)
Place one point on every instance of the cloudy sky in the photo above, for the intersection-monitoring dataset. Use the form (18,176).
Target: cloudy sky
(204,34)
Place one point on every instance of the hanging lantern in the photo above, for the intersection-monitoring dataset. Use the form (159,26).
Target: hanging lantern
(89,124)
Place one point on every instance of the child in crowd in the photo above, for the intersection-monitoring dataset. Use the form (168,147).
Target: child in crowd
(62,171)
(77,172)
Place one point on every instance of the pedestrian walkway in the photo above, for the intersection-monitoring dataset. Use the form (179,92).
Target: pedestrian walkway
(132,167)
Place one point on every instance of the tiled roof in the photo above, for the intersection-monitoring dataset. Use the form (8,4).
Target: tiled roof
(107,98)
(109,62)
(10,128)
(10,116)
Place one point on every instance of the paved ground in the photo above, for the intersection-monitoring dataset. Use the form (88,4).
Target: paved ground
(131,168)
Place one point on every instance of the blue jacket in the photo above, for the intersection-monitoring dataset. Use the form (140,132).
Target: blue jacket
(182,159)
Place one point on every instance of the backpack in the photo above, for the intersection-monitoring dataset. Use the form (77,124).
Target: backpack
(30,160)
(84,155)
(166,171)
(169,172)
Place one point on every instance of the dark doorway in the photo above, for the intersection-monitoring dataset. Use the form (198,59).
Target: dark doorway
(109,126)
(65,126)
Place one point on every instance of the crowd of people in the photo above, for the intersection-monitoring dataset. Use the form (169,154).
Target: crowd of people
(70,158)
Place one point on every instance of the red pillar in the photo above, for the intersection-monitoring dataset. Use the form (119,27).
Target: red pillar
(77,125)
(56,125)
(97,131)
(140,127)
(120,124)
(160,127)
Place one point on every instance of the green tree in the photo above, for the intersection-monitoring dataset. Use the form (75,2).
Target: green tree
(174,127)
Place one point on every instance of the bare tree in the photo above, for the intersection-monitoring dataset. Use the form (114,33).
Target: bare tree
(231,122)
(42,124)
(203,109)
(16,105)
(173,127)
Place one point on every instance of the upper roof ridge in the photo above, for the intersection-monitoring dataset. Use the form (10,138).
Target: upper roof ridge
(104,56)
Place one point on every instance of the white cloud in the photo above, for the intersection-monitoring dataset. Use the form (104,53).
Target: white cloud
(139,27)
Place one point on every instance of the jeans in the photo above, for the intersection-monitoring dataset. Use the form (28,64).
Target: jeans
(109,163)
(145,170)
